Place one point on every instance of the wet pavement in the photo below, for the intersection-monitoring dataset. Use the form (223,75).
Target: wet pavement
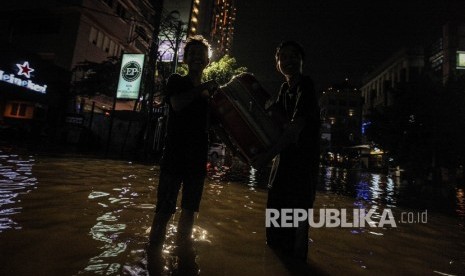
(81,216)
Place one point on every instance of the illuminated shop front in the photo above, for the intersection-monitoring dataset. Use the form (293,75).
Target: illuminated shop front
(32,92)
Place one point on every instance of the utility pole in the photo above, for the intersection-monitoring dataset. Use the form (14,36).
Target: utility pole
(176,47)
(150,71)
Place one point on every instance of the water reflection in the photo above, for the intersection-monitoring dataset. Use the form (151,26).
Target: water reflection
(99,212)
(379,191)
(15,179)
(369,189)
(111,227)
(460,201)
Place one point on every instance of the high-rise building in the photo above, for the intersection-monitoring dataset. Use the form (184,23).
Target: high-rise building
(446,56)
(214,19)
(341,113)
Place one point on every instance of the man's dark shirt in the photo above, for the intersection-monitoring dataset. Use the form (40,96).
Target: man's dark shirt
(186,143)
(301,101)
(294,178)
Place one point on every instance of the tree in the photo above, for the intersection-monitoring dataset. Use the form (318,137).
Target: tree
(91,78)
(222,71)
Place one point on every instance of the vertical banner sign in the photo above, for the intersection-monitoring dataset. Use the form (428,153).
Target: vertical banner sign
(130,76)
(460,60)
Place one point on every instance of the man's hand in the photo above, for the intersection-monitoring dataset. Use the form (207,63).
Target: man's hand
(209,88)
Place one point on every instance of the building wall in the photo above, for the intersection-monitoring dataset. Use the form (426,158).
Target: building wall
(341,111)
(401,67)
(442,53)
(60,31)
(65,33)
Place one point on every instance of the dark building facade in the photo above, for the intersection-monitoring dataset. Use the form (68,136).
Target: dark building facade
(446,56)
(48,39)
(32,91)
(43,41)
(403,66)
(341,112)
(69,32)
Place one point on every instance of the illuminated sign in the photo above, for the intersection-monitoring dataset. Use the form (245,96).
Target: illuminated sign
(365,126)
(460,60)
(25,70)
(130,76)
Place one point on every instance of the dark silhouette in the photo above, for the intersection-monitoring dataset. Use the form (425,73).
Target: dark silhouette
(294,174)
(186,145)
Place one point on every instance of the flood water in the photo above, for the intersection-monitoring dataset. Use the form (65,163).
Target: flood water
(81,216)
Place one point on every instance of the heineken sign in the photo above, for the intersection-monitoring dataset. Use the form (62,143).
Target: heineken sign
(22,77)
(130,76)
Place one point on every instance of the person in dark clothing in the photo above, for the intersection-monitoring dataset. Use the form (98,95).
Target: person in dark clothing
(294,174)
(184,156)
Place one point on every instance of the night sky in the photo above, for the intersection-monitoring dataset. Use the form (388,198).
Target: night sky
(342,38)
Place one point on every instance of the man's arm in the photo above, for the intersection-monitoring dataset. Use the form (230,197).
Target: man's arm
(306,112)
(289,136)
(180,100)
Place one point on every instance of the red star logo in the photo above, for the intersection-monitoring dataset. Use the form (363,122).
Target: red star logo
(24,69)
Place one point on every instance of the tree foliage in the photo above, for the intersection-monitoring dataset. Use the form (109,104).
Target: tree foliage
(96,77)
(222,71)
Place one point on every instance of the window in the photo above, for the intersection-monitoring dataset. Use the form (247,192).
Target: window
(142,33)
(93,35)
(112,47)
(14,109)
(99,39)
(19,109)
(117,50)
(106,44)
(22,110)
(102,41)
(414,72)
(403,75)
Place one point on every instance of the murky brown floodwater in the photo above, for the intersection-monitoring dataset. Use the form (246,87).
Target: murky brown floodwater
(77,216)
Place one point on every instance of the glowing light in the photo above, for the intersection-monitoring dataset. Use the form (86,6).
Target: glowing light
(23,70)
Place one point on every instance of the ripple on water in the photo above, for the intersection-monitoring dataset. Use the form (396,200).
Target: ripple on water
(15,180)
